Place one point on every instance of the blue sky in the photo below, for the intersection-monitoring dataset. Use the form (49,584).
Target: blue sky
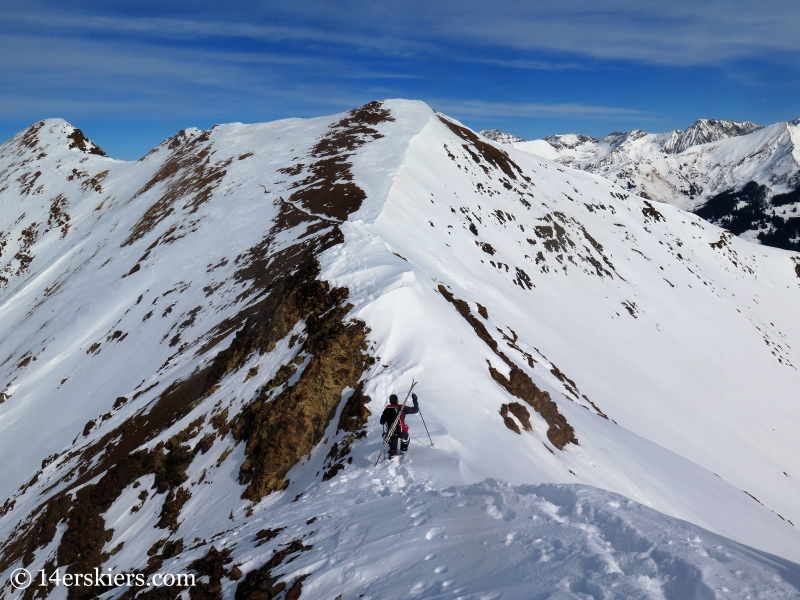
(133,73)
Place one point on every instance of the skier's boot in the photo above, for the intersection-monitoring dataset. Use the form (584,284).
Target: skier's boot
(393,446)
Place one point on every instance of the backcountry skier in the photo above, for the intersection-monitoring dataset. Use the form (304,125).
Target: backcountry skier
(401,431)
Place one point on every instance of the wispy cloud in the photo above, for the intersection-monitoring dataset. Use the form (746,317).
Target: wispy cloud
(530,62)
(118,76)
(525,109)
(525,64)
(379,75)
(681,32)
(63,24)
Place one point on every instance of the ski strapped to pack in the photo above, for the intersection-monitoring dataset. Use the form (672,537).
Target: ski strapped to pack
(390,433)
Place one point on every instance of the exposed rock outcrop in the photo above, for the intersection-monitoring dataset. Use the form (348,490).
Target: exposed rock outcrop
(279,431)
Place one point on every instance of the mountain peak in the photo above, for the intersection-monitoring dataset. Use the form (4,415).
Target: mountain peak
(55,133)
(500,136)
(704,131)
(568,140)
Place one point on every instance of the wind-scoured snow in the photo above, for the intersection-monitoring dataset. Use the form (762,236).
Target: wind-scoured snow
(667,345)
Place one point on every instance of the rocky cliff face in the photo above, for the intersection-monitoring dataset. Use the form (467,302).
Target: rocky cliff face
(195,348)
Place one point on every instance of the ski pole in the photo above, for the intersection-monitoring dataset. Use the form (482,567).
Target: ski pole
(426,428)
(388,436)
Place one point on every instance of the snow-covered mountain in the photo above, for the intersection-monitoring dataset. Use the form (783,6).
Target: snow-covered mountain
(741,176)
(705,131)
(196,348)
(500,137)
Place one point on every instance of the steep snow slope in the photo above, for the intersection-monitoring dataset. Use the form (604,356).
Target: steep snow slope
(180,381)
(738,175)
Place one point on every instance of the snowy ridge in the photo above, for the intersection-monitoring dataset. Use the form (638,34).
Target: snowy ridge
(739,175)
(252,284)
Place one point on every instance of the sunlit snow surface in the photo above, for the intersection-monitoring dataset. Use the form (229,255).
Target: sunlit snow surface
(388,533)
(683,336)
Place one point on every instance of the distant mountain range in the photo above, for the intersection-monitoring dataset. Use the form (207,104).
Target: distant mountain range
(738,175)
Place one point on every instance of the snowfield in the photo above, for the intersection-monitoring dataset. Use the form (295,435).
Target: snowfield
(195,349)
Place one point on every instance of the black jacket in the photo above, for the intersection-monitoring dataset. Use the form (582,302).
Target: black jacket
(390,413)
